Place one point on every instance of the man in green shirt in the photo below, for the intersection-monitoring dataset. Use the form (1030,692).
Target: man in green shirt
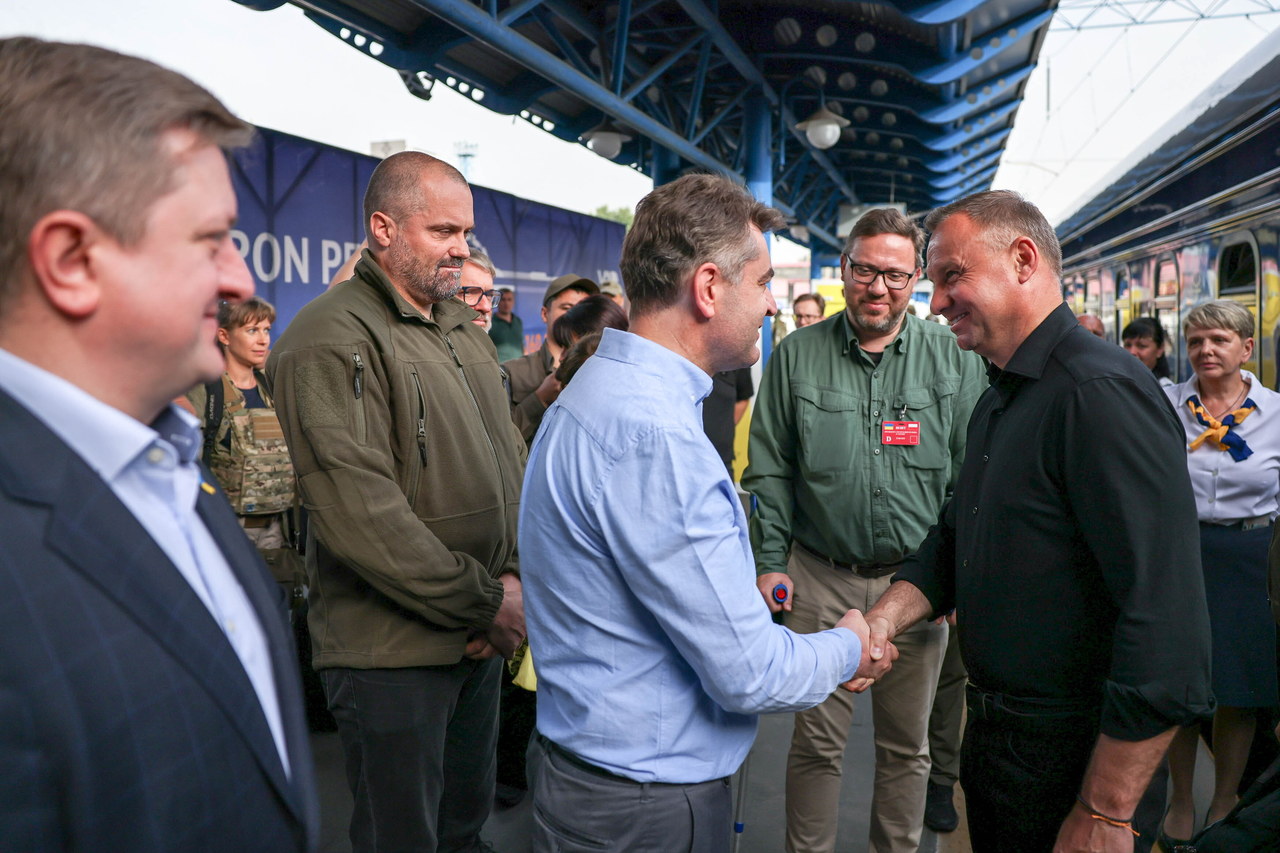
(507,330)
(857,437)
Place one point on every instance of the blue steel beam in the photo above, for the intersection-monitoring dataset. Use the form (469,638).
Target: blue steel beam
(953,70)
(623,27)
(480,26)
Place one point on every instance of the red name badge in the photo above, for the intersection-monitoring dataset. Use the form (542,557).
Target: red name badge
(900,432)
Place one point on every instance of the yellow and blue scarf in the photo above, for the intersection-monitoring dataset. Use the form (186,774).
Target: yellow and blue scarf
(1219,433)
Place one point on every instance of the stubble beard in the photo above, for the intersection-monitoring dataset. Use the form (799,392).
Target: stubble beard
(431,284)
(887,324)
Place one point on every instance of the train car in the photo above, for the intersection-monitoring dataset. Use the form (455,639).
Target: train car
(1193,216)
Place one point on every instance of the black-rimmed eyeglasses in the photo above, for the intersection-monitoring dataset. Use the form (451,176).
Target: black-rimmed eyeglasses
(863,274)
(473,295)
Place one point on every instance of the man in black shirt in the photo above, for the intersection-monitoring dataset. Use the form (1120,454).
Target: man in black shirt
(1068,549)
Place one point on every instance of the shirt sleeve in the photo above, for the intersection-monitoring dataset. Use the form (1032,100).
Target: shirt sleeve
(931,569)
(341,447)
(772,461)
(1127,485)
(668,517)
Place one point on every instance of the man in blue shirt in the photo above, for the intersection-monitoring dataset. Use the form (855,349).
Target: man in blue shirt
(654,651)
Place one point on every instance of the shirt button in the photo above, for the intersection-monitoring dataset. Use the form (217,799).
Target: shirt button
(975,510)
(876,451)
(155,456)
(985,458)
(876,493)
(965,564)
(875,414)
(1210,500)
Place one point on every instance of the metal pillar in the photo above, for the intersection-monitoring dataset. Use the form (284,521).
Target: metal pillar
(758,139)
(666,165)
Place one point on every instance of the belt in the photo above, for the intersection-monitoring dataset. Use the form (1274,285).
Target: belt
(553,748)
(864,570)
(252,521)
(1242,524)
(556,749)
(1016,710)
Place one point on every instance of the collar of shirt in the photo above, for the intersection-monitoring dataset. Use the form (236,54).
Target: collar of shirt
(664,366)
(1029,360)
(448,314)
(849,340)
(105,437)
(1192,386)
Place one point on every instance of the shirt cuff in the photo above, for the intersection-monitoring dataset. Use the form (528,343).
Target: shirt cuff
(1139,713)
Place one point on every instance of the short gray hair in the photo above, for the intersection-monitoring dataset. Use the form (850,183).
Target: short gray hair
(1004,216)
(82,128)
(480,258)
(395,187)
(1221,314)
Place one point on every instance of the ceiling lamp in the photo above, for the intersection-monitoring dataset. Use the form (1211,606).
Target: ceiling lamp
(606,139)
(822,128)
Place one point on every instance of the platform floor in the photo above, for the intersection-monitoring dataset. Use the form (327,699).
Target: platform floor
(508,831)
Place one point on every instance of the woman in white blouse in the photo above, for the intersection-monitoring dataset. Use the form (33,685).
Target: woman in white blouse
(1232,425)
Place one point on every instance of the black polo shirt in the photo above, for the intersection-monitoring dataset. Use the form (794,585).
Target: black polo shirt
(1070,547)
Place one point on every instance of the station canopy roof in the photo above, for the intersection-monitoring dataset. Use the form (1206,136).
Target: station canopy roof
(930,90)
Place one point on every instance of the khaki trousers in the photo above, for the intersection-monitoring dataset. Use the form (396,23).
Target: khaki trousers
(900,706)
(946,723)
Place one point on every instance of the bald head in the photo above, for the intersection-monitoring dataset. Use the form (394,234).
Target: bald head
(396,186)
(1092,324)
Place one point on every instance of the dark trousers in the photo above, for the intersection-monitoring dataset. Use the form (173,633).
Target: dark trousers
(1021,778)
(419,745)
(577,809)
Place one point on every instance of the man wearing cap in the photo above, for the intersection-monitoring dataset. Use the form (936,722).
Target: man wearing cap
(533,382)
(613,290)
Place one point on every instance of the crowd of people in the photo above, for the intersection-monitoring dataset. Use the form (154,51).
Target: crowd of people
(1010,518)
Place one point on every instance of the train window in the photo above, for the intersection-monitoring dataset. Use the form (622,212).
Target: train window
(1238,268)
(1167,282)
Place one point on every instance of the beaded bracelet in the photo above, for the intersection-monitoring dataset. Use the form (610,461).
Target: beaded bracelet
(1111,821)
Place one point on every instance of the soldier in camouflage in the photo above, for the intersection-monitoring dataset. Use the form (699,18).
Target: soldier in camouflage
(245,447)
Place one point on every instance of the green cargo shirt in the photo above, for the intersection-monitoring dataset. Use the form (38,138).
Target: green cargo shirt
(409,467)
(819,471)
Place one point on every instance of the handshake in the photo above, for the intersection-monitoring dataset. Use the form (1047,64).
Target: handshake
(878,653)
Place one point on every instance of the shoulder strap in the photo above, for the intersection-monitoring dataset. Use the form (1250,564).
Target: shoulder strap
(212,417)
(264,387)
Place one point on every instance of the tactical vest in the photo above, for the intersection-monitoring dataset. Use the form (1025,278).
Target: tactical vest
(256,472)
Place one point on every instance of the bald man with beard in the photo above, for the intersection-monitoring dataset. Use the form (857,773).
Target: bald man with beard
(397,420)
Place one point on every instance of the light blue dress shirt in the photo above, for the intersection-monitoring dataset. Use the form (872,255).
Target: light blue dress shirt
(154,473)
(653,647)
(1227,491)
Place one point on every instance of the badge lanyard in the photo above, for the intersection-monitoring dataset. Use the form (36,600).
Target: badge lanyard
(901,431)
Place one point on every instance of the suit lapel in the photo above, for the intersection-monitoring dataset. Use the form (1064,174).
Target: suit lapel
(97,535)
(262,590)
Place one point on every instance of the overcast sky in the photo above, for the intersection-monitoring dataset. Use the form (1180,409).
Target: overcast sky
(1094,98)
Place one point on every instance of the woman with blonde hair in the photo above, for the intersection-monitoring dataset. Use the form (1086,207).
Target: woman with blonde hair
(1232,426)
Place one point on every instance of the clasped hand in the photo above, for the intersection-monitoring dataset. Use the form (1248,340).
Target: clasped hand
(878,654)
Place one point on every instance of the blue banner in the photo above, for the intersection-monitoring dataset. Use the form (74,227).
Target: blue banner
(300,218)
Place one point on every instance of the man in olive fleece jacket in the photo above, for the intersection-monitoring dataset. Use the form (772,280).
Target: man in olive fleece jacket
(410,468)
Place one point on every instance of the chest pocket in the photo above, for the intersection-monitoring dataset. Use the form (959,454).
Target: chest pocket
(829,421)
(932,408)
